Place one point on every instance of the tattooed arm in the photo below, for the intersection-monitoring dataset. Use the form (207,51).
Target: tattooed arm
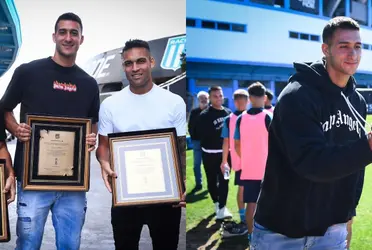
(180,125)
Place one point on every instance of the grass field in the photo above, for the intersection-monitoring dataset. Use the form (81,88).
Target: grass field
(202,228)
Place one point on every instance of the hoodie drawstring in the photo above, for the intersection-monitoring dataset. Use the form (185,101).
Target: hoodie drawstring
(355,113)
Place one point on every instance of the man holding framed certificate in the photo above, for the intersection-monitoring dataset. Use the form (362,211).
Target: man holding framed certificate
(57,91)
(140,162)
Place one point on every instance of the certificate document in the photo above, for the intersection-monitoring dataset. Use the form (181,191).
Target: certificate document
(144,171)
(56,153)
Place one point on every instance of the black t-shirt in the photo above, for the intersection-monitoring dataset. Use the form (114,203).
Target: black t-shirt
(209,127)
(47,88)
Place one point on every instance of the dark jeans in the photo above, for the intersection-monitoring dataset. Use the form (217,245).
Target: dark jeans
(218,187)
(163,222)
(197,162)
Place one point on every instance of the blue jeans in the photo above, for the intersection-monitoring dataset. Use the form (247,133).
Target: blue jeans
(197,162)
(68,216)
(264,239)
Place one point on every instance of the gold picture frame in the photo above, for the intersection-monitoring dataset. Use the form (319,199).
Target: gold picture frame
(4,227)
(56,158)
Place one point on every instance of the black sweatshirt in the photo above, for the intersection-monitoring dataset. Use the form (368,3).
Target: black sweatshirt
(209,127)
(317,155)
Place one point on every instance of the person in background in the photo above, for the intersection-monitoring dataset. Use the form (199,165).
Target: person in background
(195,137)
(209,128)
(251,145)
(230,159)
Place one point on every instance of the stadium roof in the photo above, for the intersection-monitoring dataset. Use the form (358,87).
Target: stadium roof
(10,34)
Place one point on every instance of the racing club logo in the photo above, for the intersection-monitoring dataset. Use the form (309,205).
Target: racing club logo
(172,54)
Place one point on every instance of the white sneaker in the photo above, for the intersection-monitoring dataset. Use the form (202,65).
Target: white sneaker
(223,213)
(216,207)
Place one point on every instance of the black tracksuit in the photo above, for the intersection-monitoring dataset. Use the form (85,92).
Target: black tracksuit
(209,127)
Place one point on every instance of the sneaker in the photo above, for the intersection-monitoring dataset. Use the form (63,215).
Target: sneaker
(223,213)
(234,230)
(227,225)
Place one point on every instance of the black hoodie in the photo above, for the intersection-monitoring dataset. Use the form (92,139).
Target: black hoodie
(317,155)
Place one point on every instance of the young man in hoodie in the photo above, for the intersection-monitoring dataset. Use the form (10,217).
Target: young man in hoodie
(209,128)
(318,149)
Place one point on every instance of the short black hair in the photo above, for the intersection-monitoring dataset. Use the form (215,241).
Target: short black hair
(69,16)
(135,43)
(214,88)
(269,94)
(340,22)
(257,89)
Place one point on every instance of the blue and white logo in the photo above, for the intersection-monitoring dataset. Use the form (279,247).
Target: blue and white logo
(172,54)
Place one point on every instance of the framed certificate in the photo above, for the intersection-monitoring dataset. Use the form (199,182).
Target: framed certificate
(148,167)
(4,226)
(56,157)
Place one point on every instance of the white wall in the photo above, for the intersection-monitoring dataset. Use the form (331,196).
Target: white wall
(267,38)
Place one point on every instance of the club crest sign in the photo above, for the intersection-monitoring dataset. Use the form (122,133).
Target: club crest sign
(172,55)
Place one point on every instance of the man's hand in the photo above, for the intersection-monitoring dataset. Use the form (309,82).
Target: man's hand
(91,141)
(183,201)
(10,189)
(23,132)
(107,175)
(222,167)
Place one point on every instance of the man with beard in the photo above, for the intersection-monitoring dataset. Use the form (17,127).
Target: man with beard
(51,86)
(209,127)
(195,137)
(155,108)
(318,150)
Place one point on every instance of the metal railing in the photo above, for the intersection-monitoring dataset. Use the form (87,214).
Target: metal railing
(172,81)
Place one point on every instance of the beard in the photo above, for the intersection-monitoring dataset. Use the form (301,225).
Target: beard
(337,66)
(60,51)
(203,105)
(139,85)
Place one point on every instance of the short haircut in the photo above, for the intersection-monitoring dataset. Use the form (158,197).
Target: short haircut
(214,88)
(201,93)
(240,93)
(269,94)
(69,16)
(257,89)
(136,43)
(340,22)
